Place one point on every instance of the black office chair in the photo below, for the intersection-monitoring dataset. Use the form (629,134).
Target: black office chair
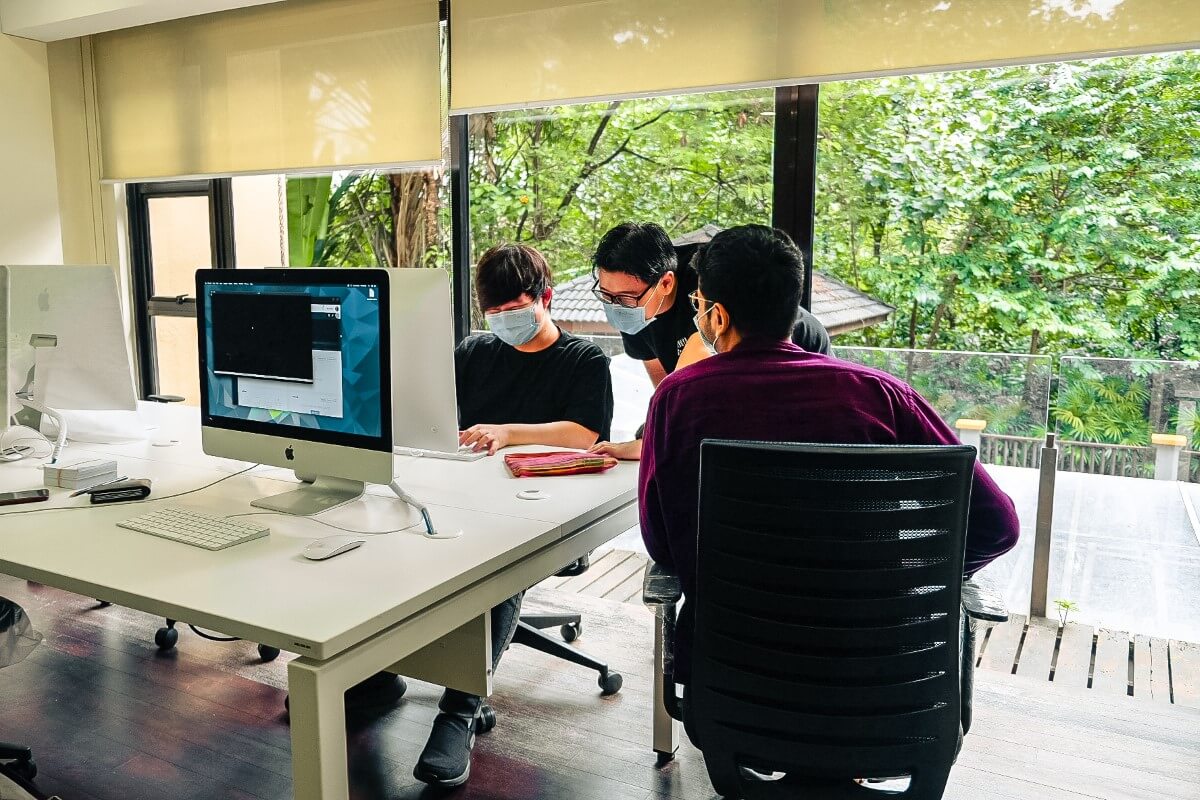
(529,633)
(17,640)
(828,618)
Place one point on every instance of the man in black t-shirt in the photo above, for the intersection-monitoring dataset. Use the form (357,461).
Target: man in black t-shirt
(526,382)
(643,282)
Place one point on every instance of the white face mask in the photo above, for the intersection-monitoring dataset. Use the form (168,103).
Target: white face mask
(710,346)
(516,327)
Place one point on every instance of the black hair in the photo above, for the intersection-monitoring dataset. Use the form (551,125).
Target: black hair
(640,249)
(757,273)
(507,271)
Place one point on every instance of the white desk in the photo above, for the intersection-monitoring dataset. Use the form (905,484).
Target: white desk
(400,596)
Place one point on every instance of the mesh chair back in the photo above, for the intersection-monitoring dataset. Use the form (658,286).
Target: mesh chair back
(827,608)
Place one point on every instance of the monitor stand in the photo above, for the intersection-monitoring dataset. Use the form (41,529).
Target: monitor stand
(316,494)
(322,493)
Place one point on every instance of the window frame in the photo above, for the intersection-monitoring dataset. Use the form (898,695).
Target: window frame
(146,303)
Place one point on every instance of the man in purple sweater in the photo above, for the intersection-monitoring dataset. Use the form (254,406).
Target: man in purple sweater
(761,387)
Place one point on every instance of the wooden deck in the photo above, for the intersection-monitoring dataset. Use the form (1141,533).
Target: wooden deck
(1078,657)
(110,719)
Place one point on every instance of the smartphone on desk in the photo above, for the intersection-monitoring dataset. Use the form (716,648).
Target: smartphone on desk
(30,496)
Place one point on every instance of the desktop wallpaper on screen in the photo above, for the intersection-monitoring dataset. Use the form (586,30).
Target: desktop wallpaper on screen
(257,370)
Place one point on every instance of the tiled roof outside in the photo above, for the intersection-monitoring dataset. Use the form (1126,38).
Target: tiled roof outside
(840,307)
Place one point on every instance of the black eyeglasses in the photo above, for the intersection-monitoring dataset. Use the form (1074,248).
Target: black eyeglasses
(622,300)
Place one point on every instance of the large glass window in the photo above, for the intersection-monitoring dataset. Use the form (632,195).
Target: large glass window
(1049,210)
(1043,209)
(559,178)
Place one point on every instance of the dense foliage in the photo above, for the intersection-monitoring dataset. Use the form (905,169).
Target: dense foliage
(1034,209)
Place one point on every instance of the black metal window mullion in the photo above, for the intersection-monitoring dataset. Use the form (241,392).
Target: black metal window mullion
(147,303)
(795,170)
(460,214)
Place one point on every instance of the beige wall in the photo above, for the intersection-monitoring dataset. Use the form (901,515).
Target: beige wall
(29,216)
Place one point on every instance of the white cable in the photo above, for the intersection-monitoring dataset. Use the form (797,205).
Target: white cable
(61,441)
(142,500)
(19,436)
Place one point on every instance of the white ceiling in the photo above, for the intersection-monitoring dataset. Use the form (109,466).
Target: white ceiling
(52,20)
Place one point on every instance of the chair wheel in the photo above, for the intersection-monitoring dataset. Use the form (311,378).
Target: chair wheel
(486,721)
(103,604)
(25,769)
(571,632)
(166,638)
(268,653)
(611,683)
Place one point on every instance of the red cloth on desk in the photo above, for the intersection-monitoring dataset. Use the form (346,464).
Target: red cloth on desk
(543,465)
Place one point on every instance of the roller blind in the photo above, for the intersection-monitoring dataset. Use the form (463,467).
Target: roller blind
(527,53)
(301,86)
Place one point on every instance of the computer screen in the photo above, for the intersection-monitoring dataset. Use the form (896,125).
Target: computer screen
(296,353)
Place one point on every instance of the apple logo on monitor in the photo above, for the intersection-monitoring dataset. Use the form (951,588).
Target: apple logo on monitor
(290,454)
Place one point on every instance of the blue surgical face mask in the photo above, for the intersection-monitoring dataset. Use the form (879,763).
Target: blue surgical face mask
(516,327)
(631,320)
(626,320)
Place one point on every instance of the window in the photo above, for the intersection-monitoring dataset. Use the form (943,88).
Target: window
(175,228)
(1042,209)
(559,178)
(347,219)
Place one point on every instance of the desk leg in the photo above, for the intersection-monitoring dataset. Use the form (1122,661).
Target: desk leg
(666,728)
(318,721)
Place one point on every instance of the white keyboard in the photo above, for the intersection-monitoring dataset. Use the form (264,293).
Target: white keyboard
(462,454)
(194,528)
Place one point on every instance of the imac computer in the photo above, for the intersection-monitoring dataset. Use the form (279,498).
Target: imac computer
(67,322)
(424,403)
(295,372)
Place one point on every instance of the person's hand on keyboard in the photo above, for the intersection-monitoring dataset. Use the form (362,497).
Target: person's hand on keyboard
(489,438)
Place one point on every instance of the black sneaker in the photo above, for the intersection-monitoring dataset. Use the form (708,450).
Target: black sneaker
(446,760)
(381,689)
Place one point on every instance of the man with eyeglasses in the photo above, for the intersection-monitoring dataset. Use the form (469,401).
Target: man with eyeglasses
(642,280)
(761,387)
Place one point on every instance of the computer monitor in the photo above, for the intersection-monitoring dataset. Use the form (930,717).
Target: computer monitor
(295,372)
(424,402)
(88,369)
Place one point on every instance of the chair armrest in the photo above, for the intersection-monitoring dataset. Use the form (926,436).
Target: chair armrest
(981,601)
(660,587)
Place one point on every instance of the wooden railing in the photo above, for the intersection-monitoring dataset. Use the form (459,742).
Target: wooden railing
(1088,457)
(1127,461)
(1010,451)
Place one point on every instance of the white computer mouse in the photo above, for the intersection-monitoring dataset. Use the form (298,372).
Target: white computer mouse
(331,546)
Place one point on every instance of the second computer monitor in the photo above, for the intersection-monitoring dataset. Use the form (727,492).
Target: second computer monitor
(295,371)
(89,368)
(424,406)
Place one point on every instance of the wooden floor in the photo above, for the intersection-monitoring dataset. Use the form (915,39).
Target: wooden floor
(1077,656)
(110,719)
